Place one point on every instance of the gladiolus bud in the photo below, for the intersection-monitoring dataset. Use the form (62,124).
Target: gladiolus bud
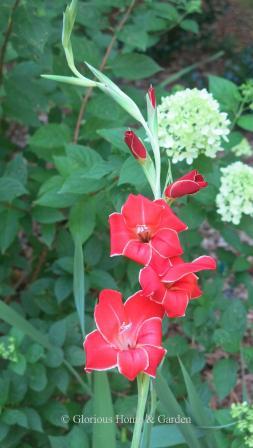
(190,183)
(135,145)
(152,98)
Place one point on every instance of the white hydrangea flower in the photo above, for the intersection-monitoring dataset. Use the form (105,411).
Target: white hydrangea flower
(242,149)
(190,124)
(236,192)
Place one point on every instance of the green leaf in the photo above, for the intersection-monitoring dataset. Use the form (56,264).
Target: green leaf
(163,436)
(51,196)
(34,353)
(79,282)
(48,234)
(198,411)
(78,184)
(33,418)
(240,264)
(193,216)
(10,189)
(226,92)
(63,287)
(190,25)
(82,220)
(134,66)
(102,407)
(131,173)
(17,169)
(246,122)
(54,358)
(173,409)
(75,355)
(100,279)
(10,316)
(15,417)
(224,377)
(4,390)
(57,333)
(49,140)
(53,412)
(19,366)
(37,377)
(9,225)
(47,215)
(115,137)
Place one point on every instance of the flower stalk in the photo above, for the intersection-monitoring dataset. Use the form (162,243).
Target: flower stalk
(143,382)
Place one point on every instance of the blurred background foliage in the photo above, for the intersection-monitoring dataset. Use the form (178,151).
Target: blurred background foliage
(64,168)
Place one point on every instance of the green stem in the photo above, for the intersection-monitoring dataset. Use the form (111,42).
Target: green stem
(156,150)
(143,381)
(238,114)
(169,178)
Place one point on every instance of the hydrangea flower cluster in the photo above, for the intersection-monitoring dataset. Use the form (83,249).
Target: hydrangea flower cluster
(243,412)
(190,124)
(235,197)
(8,349)
(242,149)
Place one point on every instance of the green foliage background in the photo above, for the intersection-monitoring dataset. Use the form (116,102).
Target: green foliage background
(56,193)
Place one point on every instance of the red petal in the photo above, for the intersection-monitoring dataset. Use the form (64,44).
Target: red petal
(166,243)
(180,270)
(139,308)
(120,235)
(109,314)
(139,210)
(175,303)
(155,355)
(151,284)
(138,251)
(191,175)
(168,217)
(131,362)
(99,354)
(150,332)
(160,264)
(181,188)
(189,283)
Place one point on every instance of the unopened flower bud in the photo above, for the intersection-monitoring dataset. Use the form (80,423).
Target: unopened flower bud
(135,145)
(152,98)
(190,183)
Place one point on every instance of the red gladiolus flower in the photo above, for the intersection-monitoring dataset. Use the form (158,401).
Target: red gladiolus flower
(188,184)
(152,98)
(145,229)
(177,286)
(135,145)
(128,335)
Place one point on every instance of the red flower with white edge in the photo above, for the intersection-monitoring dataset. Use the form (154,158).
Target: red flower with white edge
(177,285)
(144,228)
(190,183)
(128,335)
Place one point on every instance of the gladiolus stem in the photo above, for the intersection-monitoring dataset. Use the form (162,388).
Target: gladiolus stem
(143,382)
(156,150)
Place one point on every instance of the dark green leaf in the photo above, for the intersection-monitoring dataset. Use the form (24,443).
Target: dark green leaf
(134,66)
